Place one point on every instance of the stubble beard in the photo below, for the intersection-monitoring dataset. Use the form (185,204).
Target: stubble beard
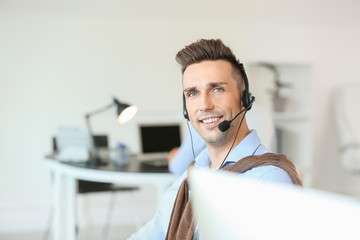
(217,139)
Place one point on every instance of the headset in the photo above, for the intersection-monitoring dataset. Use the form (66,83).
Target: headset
(246,97)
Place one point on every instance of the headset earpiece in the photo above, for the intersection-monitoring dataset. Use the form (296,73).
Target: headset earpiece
(185,112)
(247,100)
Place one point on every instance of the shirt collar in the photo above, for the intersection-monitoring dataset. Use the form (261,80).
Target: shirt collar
(245,148)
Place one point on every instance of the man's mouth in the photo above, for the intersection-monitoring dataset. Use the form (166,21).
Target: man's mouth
(210,120)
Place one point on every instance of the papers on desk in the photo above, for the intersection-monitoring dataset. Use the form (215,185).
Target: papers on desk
(73,144)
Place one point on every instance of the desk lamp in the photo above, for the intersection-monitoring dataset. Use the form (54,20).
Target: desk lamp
(125,113)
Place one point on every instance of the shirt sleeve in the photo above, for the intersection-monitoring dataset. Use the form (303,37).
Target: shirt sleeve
(156,228)
(184,156)
(150,231)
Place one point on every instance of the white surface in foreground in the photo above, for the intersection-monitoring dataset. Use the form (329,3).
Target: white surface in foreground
(232,207)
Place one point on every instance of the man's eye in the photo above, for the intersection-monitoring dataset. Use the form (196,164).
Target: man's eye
(192,94)
(218,90)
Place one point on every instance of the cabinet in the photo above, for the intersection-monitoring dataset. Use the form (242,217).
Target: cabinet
(285,88)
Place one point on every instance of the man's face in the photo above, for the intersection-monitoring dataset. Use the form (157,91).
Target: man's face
(212,96)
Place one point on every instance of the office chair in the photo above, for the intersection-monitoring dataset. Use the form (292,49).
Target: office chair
(85,187)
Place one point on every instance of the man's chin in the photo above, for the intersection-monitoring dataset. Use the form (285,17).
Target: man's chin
(217,139)
(211,135)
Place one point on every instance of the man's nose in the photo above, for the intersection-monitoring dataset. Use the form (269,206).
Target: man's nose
(206,103)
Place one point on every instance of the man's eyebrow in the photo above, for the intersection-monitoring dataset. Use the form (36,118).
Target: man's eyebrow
(215,84)
(189,89)
(210,85)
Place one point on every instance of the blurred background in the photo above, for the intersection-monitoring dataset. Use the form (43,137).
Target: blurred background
(62,59)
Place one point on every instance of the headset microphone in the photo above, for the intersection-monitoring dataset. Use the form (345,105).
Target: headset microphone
(225,125)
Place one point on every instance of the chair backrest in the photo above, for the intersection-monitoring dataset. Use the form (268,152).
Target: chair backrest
(99,141)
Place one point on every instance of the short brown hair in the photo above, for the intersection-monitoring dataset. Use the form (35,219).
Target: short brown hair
(209,49)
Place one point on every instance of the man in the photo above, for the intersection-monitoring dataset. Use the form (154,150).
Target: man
(215,90)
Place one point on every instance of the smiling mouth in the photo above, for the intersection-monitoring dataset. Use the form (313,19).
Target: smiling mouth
(210,120)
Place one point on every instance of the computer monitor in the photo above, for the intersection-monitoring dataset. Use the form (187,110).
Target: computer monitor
(228,206)
(156,140)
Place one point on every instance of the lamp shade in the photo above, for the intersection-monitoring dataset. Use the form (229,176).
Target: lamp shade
(125,112)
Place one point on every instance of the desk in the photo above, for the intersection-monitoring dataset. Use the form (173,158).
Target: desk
(65,187)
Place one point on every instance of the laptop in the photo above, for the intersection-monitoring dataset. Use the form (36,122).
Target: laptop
(229,206)
(156,141)
(72,144)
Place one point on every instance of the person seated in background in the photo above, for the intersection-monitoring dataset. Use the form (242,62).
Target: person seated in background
(179,158)
(216,98)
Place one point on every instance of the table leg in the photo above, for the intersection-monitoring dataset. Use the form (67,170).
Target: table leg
(64,207)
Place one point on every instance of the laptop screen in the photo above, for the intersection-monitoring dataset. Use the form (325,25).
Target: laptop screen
(159,139)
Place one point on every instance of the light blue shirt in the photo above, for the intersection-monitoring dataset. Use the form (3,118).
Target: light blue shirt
(157,227)
(185,155)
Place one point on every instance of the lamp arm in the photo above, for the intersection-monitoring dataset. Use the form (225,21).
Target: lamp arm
(88,115)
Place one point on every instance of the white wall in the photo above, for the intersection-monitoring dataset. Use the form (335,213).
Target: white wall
(61,60)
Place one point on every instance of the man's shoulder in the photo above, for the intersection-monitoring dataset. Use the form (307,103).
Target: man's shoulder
(268,173)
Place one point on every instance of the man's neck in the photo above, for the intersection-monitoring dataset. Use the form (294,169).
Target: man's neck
(218,153)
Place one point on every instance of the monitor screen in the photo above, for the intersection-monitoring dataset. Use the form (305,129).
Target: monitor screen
(159,138)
